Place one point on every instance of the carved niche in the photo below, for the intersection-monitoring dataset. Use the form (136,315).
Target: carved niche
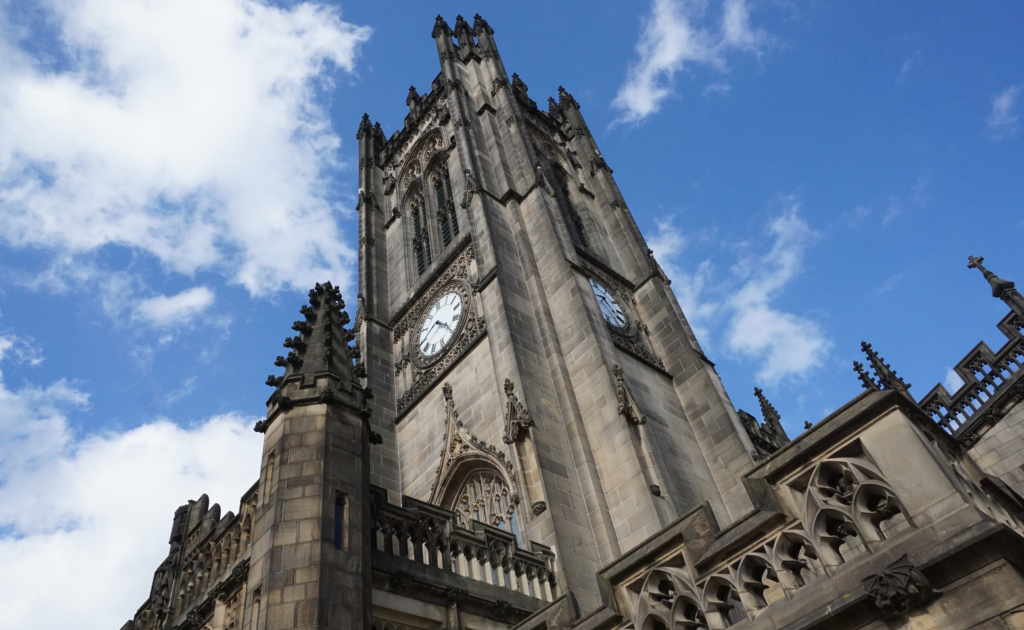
(846,502)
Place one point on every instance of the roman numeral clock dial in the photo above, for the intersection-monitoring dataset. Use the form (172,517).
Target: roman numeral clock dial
(611,310)
(440,324)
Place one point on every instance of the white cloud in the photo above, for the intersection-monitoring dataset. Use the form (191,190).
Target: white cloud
(672,39)
(100,508)
(186,129)
(953,381)
(166,311)
(785,345)
(1002,121)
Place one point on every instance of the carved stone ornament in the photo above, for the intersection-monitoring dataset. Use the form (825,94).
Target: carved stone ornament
(899,589)
(400,583)
(627,405)
(517,417)
(472,187)
(632,338)
(459,445)
(539,507)
(472,328)
(453,595)
(501,610)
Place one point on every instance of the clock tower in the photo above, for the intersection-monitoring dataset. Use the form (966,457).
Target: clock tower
(504,282)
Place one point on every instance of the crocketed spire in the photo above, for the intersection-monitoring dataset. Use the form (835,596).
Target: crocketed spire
(319,362)
(440,28)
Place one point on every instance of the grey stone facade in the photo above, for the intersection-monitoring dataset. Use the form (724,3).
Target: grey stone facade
(566,455)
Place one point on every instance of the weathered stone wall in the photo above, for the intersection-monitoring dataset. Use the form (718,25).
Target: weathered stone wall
(1000,451)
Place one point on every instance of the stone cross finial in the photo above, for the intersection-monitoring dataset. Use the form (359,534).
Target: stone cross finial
(1002,289)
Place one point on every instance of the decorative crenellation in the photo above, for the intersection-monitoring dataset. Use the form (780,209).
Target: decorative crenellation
(992,385)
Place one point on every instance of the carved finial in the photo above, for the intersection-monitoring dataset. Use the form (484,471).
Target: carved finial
(481,26)
(552,106)
(364,126)
(440,28)
(1002,289)
(462,28)
(865,378)
(767,410)
(883,371)
(509,387)
(564,98)
(518,84)
(807,425)
(414,96)
(772,420)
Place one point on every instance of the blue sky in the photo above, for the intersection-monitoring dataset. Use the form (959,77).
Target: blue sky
(175,174)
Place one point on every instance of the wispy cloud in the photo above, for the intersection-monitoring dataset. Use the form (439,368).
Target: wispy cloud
(1003,121)
(97,506)
(673,37)
(953,381)
(164,310)
(738,309)
(889,283)
(195,135)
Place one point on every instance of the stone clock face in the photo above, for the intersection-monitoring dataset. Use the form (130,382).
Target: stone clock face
(440,324)
(610,307)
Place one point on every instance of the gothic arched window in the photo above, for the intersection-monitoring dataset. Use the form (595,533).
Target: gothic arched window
(446,218)
(486,498)
(420,239)
(575,219)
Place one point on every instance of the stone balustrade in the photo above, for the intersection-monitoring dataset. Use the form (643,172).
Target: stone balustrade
(427,535)
(988,378)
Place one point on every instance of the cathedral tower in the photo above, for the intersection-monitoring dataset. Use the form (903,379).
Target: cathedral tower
(504,282)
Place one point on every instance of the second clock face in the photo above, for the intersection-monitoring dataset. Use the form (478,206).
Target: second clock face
(611,310)
(440,323)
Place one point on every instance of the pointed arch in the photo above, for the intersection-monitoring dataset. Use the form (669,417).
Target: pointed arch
(441,183)
(474,479)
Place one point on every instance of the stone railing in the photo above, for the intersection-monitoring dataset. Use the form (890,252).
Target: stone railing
(427,535)
(989,378)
